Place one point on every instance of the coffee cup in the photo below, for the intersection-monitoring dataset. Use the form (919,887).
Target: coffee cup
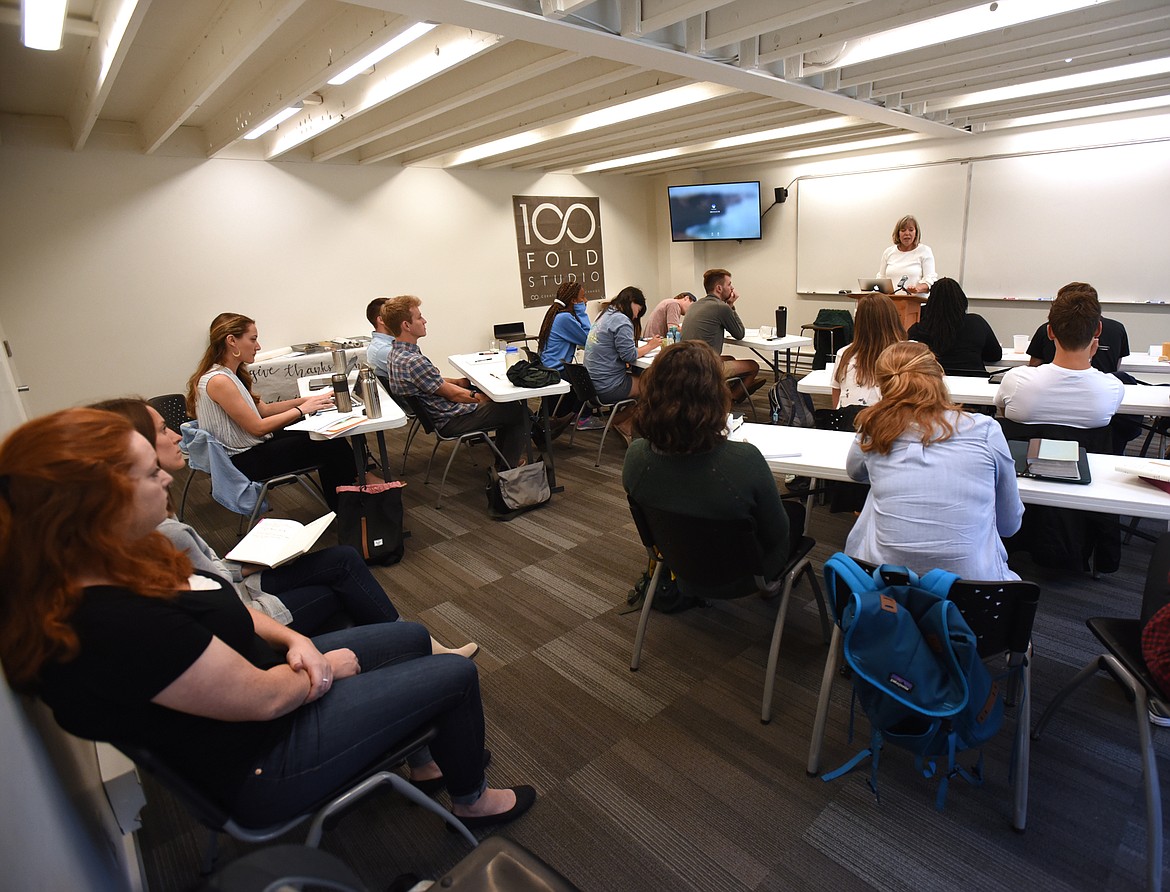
(1020,343)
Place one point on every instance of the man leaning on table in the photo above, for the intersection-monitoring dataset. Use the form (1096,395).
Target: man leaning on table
(714,314)
(454,408)
(1068,390)
(378,353)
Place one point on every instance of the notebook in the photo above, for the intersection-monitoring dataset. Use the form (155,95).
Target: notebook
(1019,450)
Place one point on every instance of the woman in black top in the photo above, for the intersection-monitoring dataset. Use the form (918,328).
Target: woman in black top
(101,617)
(962,342)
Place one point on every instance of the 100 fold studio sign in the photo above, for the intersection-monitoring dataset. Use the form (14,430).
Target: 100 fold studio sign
(559,240)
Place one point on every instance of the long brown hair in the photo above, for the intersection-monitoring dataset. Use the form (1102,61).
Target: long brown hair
(624,304)
(223,325)
(878,325)
(684,400)
(136,410)
(567,295)
(913,393)
(65,493)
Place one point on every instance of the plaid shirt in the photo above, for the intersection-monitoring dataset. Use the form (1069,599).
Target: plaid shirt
(412,374)
(1156,648)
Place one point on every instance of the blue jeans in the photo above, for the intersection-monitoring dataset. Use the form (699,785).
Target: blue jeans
(318,584)
(333,740)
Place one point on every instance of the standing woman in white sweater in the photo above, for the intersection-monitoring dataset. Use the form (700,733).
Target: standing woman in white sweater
(908,257)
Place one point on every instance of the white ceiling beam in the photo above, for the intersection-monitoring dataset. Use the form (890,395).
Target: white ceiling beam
(444,48)
(658,14)
(588,81)
(931,92)
(118,24)
(732,22)
(1089,96)
(507,69)
(353,32)
(447,153)
(733,114)
(526,26)
(1085,28)
(558,9)
(1021,68)
(232,36)
(850,23)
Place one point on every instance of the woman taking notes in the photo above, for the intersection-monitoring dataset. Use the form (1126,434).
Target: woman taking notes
(907,260)
(612,346)
(101,616)
(943,481)
(220,396)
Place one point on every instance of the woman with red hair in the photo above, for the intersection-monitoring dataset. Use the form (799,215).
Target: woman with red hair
(101,617)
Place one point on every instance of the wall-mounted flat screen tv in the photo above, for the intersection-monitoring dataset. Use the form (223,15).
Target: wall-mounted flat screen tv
(714,212)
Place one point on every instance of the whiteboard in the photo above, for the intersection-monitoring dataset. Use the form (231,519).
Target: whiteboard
(844,222)
(1097,215)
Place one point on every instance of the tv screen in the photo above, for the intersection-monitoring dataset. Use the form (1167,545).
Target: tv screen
(717,211)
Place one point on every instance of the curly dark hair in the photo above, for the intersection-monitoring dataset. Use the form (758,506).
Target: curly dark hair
(684,400)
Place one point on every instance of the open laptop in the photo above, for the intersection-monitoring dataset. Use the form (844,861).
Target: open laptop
(509,331)
(885,286)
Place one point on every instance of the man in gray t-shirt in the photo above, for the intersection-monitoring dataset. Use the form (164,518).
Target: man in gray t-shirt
(715,314)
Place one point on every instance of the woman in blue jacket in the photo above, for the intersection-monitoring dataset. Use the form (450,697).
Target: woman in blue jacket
(565,328)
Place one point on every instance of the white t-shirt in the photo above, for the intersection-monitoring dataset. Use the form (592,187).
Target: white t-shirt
(852,393)
(1052,394)
(917,265)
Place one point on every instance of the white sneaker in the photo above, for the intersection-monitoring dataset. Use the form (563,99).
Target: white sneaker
(1157,717)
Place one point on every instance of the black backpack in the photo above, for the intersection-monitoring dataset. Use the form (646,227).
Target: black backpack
(790,407)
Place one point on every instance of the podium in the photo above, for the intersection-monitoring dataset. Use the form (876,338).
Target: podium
(909,305)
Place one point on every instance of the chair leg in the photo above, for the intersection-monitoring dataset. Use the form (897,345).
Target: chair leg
(1149,771)
(774,650)
(824,611)
(604,434)
(410,434)
(446,470)
(430,461)
(1022,749)
(402,787)
(645,617)
(256,510)
(1094,666)
(186,489)
(818,731)
(313,489)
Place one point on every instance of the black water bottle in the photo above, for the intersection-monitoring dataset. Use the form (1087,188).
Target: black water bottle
(781,321)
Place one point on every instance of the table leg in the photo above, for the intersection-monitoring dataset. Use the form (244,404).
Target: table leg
(359,457)
(548,453)
(382,454)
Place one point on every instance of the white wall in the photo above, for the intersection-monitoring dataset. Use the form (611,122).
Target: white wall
(765,271)
(115,263)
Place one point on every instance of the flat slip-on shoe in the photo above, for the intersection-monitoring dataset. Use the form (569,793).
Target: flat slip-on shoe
(525,796)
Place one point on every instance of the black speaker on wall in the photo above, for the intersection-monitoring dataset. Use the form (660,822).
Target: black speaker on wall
(781,194)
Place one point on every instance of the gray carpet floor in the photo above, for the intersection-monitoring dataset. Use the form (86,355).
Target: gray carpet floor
(665,780)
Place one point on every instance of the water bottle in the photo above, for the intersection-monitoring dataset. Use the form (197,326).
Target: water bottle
(340,362)
(673,336)
(775,415)
(511,356)
(341,392)
(368,387)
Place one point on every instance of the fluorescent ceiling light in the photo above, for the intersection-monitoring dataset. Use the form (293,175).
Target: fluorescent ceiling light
(595,120)
(965,23)
(1074,114)
(414,32)
(282,115)
(1056,84)
(839,147)
(43,23)
(729,142)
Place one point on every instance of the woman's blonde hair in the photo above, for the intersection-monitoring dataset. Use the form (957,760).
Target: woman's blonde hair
(223,325)
(903,223)
(913,394)
(877,326)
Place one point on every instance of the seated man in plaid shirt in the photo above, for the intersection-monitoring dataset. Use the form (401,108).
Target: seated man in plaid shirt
(454,408)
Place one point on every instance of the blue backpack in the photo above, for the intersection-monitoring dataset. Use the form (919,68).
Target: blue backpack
(916,670)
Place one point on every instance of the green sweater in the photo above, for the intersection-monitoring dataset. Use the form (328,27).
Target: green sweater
(731,481)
